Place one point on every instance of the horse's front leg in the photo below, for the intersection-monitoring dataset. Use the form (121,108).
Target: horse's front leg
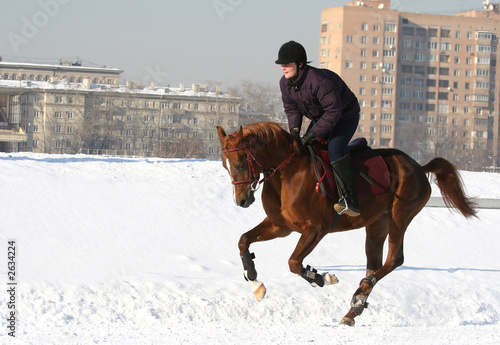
(307,242)
(265,231)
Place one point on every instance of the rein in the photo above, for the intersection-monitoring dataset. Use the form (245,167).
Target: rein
(252,176)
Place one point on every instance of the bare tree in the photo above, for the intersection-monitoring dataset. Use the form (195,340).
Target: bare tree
(259,99)
(99,122)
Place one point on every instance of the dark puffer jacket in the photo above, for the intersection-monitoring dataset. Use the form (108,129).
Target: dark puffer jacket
(322,96)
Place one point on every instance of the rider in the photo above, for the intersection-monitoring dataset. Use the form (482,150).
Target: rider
(323,97)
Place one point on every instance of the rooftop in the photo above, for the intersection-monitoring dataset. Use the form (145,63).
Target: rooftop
(124,89)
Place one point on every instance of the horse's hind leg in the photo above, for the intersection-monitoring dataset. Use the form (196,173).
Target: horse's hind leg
(394,259)
(376,234)
(265,231)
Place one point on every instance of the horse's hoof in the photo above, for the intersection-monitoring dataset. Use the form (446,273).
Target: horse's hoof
(346,322)
(258,289)
(330,279)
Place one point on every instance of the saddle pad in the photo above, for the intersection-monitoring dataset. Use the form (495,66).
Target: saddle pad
(371,165)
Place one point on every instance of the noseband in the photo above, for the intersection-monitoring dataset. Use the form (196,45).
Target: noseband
(253,178)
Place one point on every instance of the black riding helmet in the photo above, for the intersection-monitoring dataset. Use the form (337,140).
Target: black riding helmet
(292,52)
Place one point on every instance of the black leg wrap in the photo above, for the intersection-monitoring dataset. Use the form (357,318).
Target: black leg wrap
(249,266)
(359,303)
(371,279)
(312,276)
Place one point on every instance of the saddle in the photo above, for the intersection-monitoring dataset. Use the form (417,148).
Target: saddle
(370,170)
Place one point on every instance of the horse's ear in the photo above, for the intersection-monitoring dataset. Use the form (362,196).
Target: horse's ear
(221,132)
(239,134)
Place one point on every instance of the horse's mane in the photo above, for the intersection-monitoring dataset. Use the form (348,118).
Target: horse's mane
(266,132)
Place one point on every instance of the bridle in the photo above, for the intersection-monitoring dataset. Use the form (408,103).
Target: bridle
(253,178)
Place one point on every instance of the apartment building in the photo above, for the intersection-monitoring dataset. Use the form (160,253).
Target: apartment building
(89,113)
(427,84)
(72,72)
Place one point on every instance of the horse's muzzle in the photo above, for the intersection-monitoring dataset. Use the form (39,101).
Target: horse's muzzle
(245,200)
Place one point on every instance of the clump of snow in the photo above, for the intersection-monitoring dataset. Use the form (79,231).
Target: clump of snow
(128,251)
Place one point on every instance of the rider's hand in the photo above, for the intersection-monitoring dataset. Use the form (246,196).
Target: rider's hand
(295,132)
(307,138)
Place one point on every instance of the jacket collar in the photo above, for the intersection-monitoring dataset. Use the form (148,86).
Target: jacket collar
(297,82)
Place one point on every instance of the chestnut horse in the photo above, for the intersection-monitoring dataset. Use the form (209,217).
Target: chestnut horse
(292,204)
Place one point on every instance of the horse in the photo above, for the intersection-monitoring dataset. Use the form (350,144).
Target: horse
(291,204)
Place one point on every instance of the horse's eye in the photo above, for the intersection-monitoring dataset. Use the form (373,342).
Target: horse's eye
(240,167)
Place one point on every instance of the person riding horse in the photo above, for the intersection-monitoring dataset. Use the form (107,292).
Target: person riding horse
(322,96)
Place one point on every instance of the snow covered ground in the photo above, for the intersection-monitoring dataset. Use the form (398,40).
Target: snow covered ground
(144,251)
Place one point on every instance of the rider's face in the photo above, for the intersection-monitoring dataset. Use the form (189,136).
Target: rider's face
(289,69)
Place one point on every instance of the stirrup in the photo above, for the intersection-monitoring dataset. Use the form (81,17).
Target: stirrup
(345,208)
(338,205)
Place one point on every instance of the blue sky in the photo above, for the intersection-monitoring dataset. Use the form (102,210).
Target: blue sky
(171,42)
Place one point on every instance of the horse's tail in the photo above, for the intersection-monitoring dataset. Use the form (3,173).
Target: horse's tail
(451,185)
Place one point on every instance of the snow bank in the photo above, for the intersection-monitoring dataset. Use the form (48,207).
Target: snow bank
(128,251)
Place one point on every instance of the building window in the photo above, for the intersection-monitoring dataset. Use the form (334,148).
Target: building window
(386,129)
(483,35)
(405,93)
(389,53)
(443,95)
(481,48)
(386,104)
(390,27)
(482,60)
(404,118)
(418,106)
(388,79)
(418,94)
(444,83)
(443,108)
(389,40)
(445,46)
(408,30)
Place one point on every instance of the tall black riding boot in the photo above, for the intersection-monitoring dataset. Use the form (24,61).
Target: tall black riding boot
(344,176)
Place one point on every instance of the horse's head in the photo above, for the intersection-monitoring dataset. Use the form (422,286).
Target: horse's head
(239,162)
